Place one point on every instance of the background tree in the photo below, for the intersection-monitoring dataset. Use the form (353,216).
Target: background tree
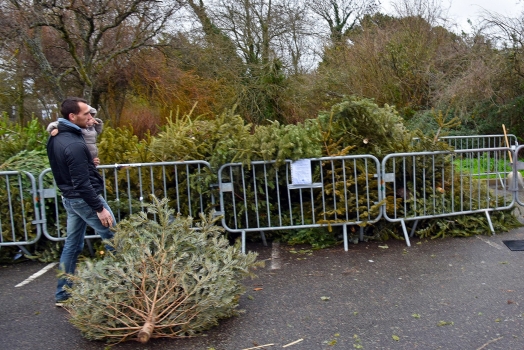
(341,16)
(391,59)
(506,36)
(265,36)
(71,44)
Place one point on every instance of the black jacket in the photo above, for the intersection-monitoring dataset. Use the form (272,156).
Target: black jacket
(73,168)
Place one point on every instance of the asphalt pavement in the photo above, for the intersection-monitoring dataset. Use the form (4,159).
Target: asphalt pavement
(452,293)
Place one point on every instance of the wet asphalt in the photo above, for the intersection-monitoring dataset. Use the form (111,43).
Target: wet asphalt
(451,293)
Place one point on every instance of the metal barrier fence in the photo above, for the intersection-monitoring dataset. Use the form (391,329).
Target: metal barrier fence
(425,185)
(19,215)
(478,141)
(264,196)
(481,142)
(336,191)
(128,186)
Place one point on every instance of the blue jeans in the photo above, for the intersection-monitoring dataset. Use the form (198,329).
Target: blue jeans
(79,215)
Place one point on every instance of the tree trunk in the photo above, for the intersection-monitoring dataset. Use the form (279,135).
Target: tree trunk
(147,330)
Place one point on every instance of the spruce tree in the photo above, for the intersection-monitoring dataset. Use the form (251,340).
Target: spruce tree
(165,278)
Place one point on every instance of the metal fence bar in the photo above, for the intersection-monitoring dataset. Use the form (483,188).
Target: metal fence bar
(19,214)
(516,182)
(266,191)
(188,189)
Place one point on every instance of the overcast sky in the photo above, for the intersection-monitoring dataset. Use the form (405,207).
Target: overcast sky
(462,10)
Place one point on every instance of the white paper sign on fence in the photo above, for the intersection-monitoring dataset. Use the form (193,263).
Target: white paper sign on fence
(301,172)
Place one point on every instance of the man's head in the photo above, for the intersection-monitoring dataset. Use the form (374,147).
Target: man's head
(76,110)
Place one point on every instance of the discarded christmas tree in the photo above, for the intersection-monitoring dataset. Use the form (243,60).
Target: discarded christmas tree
(167,279)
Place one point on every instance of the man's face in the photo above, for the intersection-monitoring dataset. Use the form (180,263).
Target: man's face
(83,118)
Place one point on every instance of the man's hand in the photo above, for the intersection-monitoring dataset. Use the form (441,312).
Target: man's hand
(105,218)
(54,132)
(96,161)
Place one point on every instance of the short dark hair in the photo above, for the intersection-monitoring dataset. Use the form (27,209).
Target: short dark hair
(70,105)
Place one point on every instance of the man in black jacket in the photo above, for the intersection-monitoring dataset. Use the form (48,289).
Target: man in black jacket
(81,185)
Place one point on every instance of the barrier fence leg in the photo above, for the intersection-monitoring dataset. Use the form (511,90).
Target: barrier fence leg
(90,247)
(262,234)
(345,234)
(405,232)
(24,250)
(413,229)
(490,223)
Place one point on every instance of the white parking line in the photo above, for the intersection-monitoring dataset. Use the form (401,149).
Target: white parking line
(37,274)
(488,242)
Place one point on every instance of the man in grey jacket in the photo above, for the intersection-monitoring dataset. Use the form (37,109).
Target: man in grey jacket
(81,185)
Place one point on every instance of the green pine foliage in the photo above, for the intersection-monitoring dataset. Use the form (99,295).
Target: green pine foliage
(166,279)
(182,138)
(280,142)
(121,146)
(468,225)
(359,126)
(228,139)
(365,128)
(34,161)
(15,137)
(216,140)
(317,237)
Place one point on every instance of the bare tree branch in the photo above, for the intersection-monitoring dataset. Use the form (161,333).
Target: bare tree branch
(88,35)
